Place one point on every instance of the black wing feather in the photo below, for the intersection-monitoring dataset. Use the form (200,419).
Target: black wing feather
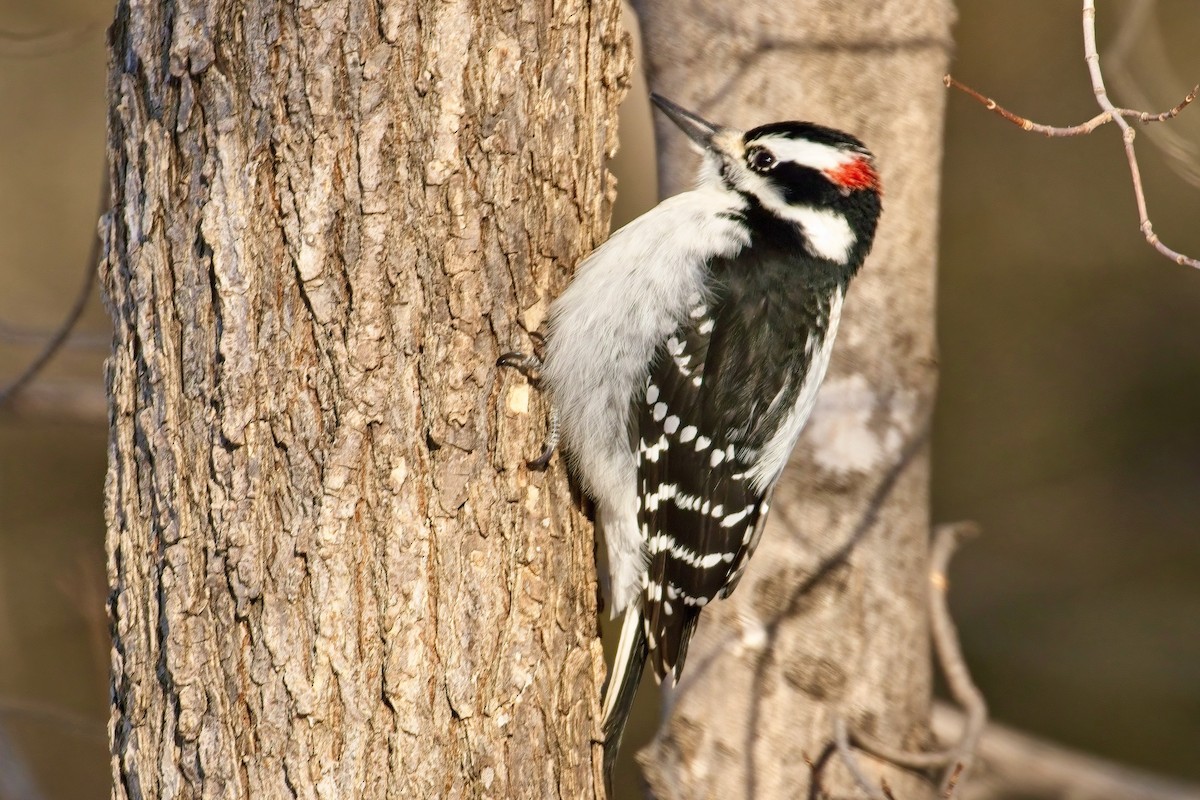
(719,387)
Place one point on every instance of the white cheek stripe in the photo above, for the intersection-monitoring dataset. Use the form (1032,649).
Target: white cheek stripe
(810,154)
(827,233)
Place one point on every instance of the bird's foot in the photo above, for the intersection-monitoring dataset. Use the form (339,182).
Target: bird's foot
(552,435)
(530,365)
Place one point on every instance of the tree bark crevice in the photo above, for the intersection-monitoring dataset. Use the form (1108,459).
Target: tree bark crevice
(331,573)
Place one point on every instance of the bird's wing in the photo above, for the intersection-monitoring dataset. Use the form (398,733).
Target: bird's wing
(699,422)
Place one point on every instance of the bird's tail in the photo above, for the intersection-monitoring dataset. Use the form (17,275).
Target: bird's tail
(622,686)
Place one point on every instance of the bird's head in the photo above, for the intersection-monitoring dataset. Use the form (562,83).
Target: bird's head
(821,180)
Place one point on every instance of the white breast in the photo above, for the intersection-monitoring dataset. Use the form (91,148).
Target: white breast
(625,299)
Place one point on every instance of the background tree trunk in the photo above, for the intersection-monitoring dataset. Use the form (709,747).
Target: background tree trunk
(805,640)
(331,575)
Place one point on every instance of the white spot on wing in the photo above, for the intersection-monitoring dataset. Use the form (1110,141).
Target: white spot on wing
(733,519)
(661,542)
(652,452)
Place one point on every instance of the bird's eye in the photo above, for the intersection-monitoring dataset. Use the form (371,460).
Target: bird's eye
(760,160)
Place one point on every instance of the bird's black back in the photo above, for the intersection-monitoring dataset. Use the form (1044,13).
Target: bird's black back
(749,351)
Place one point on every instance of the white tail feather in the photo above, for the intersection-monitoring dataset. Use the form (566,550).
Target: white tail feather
(621,663)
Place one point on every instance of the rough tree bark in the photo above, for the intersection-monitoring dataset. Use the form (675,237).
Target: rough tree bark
(801,643)
(331,574)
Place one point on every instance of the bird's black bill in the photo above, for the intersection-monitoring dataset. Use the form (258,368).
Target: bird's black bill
(698,130)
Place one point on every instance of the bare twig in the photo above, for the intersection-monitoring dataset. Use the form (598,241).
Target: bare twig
(1082,129)
(1140,23)
(956,759)
(945,638)
(841,737)
(1110,113)
(952,780)
(60,336)
(1021,765)
(925,759)
(1092,57)
(818,769)
(64,329)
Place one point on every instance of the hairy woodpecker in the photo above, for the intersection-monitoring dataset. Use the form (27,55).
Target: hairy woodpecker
(684,359)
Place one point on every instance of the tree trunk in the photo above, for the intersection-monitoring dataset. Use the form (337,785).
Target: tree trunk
(332,575)
(808,638)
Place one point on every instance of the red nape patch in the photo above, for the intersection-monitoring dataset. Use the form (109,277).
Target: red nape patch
(856,174)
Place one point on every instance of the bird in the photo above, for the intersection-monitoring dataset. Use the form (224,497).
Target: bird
(683,360)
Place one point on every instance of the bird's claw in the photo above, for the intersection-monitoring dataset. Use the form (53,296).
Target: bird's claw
(530,365)
(542,461)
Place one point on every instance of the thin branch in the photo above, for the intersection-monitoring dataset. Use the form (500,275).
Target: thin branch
(64,329)
(1140,23)
(952,780)
(957,759)
(1092,57)
(954,666)
(1019,764)
(841,737)
(913,759)
(1081,129)
(818,769)
(1110,113)
(60,336)
(866,521)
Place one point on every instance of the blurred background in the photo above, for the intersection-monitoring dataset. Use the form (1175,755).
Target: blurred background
(1068,422)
